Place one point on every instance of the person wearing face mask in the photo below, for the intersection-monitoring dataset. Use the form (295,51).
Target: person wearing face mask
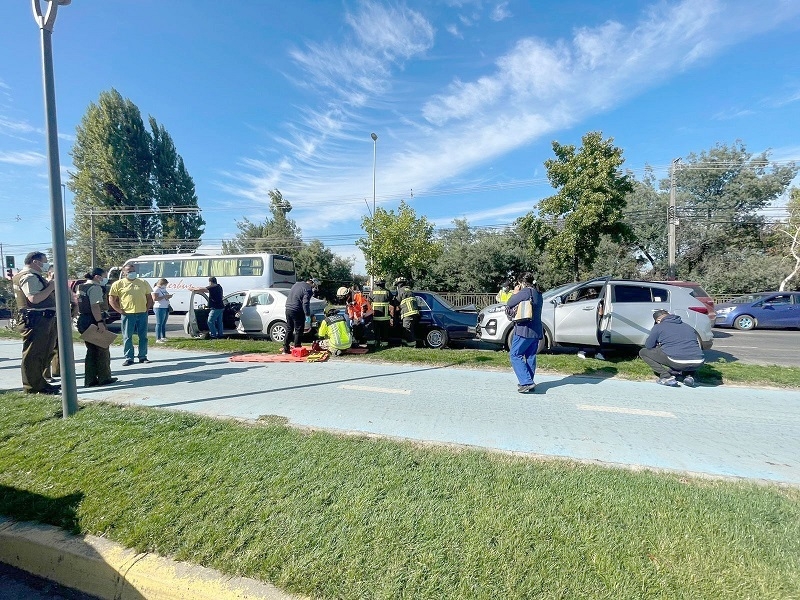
(37,304)
(132,297)
(91,304)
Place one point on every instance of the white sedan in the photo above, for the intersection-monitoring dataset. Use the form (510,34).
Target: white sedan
(257,313)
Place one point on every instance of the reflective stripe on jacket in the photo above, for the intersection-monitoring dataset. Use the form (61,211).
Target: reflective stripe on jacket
(380,304)
(408,303)
(335,327)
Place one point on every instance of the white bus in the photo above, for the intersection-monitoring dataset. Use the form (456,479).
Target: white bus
(234,272)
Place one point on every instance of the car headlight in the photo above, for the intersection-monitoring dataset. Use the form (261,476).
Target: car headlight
(725,310)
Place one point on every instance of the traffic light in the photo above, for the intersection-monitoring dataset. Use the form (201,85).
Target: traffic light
(10,262)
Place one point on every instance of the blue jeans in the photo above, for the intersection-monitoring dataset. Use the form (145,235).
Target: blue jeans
(523,358)
(215,323)
(161,322)
(134,324)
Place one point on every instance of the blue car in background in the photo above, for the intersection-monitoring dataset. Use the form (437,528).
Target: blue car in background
(765,310)
(440,322)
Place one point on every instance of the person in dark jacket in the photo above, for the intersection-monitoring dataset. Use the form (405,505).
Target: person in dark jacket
(216,307)
(672,349)
(298,311)
(525,343)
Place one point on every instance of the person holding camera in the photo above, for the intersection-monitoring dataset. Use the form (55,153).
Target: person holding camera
(527,332)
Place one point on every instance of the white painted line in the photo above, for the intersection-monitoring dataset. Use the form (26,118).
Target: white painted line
(366,388)
(628,411)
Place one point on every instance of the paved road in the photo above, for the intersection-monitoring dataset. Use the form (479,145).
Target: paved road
(19,585)
(720,431)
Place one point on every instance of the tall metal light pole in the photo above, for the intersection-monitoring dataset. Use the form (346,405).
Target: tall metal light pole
(69,393)
(671,221)
(374,163)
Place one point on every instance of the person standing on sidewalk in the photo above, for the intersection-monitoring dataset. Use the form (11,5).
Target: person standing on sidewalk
(161,309)
(672,348)
(525,343)
(132,297)
(91,306)
(380,298)
(298,312)
(37,308)
(216,307)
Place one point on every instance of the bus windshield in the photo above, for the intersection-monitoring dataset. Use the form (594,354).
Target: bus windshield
(236,272)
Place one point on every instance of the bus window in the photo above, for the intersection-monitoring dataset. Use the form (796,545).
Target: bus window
(223,267)
(251,266)
(195,267)
(145,268)
(170,268)
(283,265)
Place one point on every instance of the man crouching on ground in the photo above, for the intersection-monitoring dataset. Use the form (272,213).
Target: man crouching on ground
(672,349)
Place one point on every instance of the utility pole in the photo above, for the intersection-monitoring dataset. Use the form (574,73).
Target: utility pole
(94,245)
(671,220)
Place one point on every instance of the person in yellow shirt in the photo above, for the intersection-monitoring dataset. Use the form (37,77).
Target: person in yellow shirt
(505,292)
(132,297)
(334,333)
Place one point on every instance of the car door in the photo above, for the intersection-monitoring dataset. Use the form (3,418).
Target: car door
(776,311)
(254,310)
(230,314)
(630,311)
(576,314)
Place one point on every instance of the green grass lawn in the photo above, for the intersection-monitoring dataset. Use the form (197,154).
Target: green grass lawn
(345,517)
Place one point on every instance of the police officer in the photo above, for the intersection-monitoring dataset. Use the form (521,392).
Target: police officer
(91,309)
(409,310)
(37,308)
(380,298)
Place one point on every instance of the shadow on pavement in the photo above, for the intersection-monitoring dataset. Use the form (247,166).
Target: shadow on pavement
(593,379)
(30,550)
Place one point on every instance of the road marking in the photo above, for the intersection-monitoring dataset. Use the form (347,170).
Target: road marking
(628,411)
(366,388)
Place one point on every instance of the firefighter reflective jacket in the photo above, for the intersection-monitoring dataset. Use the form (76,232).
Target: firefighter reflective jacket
(337,330)
(380,304)
(408,302)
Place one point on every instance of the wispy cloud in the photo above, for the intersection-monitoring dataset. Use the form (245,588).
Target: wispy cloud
(500,12)
(537,87)
(27,159)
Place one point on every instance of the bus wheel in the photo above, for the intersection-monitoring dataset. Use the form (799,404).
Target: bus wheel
(277,331)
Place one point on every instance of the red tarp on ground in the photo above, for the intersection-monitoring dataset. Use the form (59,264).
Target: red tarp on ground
(274,358)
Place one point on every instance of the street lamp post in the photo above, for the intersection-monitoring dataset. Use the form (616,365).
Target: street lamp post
(374,163)
(69,393)
(671,222)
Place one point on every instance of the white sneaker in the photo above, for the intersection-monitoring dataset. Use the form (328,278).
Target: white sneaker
(581,354)
(599,356)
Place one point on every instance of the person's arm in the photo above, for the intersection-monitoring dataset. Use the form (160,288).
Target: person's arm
(323,330)
(114,302)
(149,298)
(41,295)
(652,339)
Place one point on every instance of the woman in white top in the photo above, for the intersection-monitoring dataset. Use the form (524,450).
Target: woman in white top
(161,309)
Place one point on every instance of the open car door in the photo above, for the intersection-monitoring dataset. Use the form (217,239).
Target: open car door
(603,317)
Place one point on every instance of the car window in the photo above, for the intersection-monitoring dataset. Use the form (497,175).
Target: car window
(422,304)
(261,299)
(639,293)
(590,292)
(234,299)
(782,299)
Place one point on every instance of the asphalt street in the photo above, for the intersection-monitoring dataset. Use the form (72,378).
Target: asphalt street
(718,431)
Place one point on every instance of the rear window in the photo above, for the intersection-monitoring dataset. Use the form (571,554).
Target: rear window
(698,292)
(639,293)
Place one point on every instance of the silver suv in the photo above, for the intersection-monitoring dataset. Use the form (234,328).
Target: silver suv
(603,311)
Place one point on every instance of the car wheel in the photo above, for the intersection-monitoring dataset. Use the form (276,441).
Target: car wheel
(436,338)
(277,331)
(744,322)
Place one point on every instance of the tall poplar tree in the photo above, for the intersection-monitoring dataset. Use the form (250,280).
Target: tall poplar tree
(173,188)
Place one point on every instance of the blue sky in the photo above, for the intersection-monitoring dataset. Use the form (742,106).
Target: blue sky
(465,97)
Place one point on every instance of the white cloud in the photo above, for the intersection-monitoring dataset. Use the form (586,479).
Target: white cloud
(500,12)
(453,30)
(27,159)
(537,87)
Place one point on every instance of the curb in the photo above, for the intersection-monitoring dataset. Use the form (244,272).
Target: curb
(110,571)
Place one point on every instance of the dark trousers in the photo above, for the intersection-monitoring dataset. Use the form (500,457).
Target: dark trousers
(663,365)
(97,365)
(295,323)
(381,330)
(409,325)
(38,341)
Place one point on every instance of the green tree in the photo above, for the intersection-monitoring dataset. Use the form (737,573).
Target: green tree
(315,260)
(719,194)
(278,233)
(113,164)
(792,230)
(646,215)
(589,202)
(174,193)
(398,244)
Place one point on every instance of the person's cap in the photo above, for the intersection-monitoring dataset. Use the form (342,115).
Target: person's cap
(657,314)
(342,291)
(314,281)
